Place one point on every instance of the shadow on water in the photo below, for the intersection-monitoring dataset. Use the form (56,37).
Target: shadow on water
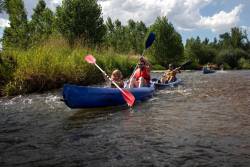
(95,113)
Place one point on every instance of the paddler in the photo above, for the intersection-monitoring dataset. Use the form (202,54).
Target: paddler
(141,76)
(117,78)
(170,74)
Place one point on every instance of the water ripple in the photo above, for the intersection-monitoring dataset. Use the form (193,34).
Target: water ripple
(203,122)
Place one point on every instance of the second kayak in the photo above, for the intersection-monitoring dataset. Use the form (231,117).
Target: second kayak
(168,85)
(207,71)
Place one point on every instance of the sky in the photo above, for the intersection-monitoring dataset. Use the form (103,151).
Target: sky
(191,18)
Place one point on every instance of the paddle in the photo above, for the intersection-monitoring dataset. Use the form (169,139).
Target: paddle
(185,64)
(148,43)
(128,96)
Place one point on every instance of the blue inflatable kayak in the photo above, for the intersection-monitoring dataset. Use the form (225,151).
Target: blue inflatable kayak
(207,71)
(168,85)
(91,97)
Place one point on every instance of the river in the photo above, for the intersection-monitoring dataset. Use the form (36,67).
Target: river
(203,122)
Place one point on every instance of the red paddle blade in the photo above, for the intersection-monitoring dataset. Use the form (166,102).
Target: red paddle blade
(90,59)
(128,97)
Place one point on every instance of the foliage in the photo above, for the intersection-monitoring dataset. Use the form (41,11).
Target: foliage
(231,57)
(16,35)
(125,39)
(158,67)
(80,19)
(168,47)
(244,63)
(53,63)
(46,51)
(237,38)
(231,47)
(41,24)
(200,52)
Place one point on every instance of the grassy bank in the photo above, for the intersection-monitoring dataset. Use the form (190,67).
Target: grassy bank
(54,63)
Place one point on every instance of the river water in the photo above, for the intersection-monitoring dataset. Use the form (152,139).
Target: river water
(203,122)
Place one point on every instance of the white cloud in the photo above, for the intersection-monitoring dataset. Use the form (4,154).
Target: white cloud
(4,20)
(222,21)
(184,14)
(4,23)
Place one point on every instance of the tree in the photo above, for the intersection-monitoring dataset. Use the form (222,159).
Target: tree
(117,36)
(136,33)
(200,52)
(238,37)
(17,34)
(206,41)
(41,25)
(127,38)
(168,47)
(121,37)
(80,19)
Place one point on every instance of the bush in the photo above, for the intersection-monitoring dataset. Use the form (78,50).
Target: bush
(244,63)
(54,63)
(231,57)
(158,67)
(7,67)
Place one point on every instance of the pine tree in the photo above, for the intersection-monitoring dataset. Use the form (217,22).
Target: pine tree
(41,25)
(80,19)
(168,47)
(17,34)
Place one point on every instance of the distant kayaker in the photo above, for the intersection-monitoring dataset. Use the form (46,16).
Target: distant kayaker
(141,76)
(170,74)
(117,78)
(209,66)
(222,67)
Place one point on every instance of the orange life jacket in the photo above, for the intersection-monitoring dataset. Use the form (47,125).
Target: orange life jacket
(144,73)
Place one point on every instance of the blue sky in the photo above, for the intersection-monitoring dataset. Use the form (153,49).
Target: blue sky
(191,18)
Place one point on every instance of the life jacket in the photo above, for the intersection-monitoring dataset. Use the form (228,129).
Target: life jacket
(144,73)
(171,73)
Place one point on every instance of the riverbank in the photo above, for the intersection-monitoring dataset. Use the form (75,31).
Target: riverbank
(54,63)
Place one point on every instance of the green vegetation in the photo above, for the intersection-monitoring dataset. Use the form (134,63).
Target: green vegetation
(46,51)
(16,36)
(54,63)
(80,20)
(232,49)
(125,39)
(168,47)
(41,25)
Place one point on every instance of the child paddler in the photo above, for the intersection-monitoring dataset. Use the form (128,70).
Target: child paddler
(117,78)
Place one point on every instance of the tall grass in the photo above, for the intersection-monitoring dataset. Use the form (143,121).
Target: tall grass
(53,63)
